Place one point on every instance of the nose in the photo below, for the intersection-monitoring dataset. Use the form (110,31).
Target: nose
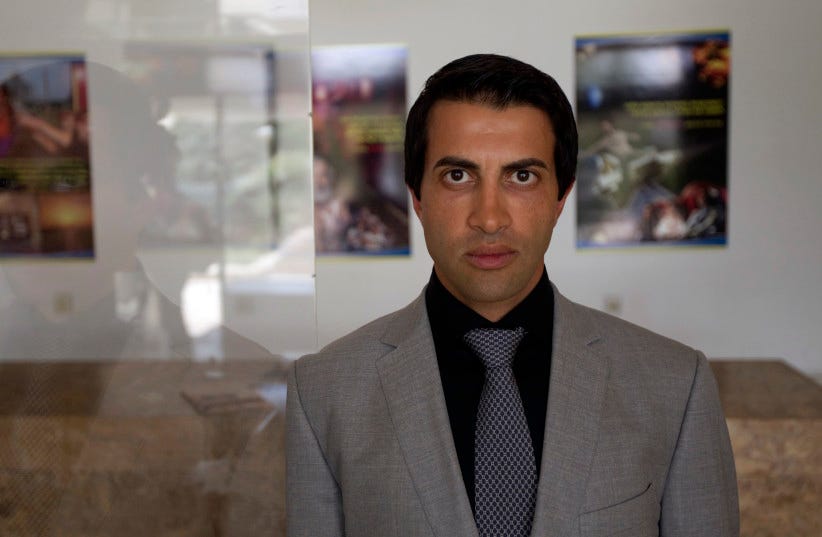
(489,211)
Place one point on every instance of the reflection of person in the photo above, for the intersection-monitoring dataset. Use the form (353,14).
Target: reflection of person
(109,309)
(608,428)
(94,313)
(101,310)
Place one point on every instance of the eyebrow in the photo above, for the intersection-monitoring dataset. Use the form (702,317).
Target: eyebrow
(525,163)
(459,162)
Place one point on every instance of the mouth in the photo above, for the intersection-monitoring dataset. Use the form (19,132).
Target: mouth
(489,258)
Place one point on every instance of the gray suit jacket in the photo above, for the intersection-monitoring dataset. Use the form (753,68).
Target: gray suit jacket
(635,439)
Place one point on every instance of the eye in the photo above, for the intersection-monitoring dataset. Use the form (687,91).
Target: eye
(524,177)
(456,176)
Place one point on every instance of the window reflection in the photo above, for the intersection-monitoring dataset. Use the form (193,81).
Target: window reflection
(142,385)
(240,185)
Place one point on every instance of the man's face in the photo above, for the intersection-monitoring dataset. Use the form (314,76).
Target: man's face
(488,201)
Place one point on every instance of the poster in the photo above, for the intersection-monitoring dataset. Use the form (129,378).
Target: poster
(359,102)
(653,126)
(45,177)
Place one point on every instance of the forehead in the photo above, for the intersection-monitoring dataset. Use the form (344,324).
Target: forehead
(466,127)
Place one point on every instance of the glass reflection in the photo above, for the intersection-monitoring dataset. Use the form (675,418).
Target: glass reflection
(156,265)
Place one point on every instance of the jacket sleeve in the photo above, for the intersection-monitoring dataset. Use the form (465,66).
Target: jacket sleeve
(313,500)
(700,495)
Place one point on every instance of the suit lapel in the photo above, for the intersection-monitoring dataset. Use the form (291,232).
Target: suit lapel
(413,390)
(575,398)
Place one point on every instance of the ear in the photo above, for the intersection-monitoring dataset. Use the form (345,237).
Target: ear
(416,202)
(561,202)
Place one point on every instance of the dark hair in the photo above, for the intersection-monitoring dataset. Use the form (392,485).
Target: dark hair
(499,82)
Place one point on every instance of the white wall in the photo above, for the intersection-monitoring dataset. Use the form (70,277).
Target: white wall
(759,297)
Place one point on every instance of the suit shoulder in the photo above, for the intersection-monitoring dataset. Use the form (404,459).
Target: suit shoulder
(357,351)
(624,331)
(633,347)
(342,381)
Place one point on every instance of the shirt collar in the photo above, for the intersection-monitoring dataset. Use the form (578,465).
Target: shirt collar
(450,316)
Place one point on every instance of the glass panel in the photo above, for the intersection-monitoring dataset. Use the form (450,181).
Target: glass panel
(156,263)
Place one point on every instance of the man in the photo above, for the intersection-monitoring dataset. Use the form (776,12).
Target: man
(597,428)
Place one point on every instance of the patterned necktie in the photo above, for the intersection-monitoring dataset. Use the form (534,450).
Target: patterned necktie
(505,474)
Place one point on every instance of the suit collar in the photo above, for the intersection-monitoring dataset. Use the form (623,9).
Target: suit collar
(413,391)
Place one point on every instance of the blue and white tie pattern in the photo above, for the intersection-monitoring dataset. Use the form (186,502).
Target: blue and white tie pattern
(505,474)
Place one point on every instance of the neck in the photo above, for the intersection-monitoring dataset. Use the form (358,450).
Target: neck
(493,309)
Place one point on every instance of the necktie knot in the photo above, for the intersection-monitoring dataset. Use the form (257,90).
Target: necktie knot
(495,347)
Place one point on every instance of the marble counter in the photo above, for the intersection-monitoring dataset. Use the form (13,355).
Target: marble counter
(774,419)
(142,449)
(181,449)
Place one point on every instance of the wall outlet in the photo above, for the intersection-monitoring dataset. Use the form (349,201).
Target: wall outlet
(63,303)
(612,304)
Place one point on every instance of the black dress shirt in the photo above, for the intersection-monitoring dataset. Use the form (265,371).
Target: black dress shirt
(463,374)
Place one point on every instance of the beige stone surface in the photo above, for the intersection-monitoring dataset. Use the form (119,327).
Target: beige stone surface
(766,389)
(774,419)
(181,449)
(115,449)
